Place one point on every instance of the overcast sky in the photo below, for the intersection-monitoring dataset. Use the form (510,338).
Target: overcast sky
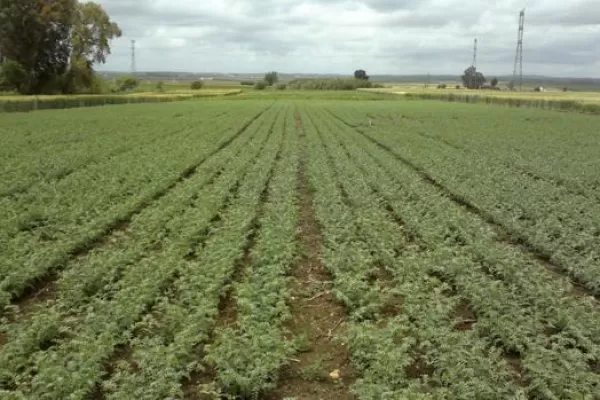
(562,37)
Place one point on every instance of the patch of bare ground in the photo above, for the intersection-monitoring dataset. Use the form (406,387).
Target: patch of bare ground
(465,316)
(322,369)
(515,362)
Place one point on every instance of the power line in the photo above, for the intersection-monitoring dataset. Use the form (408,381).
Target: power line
(474,64)
(519,55)
(133,66)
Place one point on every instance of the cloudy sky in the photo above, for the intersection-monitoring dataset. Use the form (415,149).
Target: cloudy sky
(562,37)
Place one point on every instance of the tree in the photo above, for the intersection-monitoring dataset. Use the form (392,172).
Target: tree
(92,32)
(494,82)
(260,85)
(271,78)
(473,79)
(36,35)
(361,74)
(197,85)
(13,76)
(55,42)
(127,83)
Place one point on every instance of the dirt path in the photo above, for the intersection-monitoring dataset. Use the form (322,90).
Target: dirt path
(322,368)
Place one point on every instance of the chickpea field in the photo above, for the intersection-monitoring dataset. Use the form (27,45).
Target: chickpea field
(295,249)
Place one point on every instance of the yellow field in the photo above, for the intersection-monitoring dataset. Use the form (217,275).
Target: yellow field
(584,97)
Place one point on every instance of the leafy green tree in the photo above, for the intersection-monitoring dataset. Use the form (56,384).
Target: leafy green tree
(92,32)
(473,79)
(56,42)
(36,35)
(127,83)
(160,86)
(261,85)
(271,78)
(197,85)
(361,74)
(494,82)
(13,77)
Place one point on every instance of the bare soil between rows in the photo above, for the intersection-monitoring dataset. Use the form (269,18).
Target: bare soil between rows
(322,369)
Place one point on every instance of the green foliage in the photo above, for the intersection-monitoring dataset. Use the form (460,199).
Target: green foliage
(247,83)
(271,78)
(127,83)
(92,32)
(315,371)
(281,86)
(107,318)
(361,74)
(409,198)
(494,82)
(473,79)
(196,85)
(160,86)
(261,85)
(46,38)
(331,84)
(14,77)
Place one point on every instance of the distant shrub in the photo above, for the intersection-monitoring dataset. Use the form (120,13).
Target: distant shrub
(281,86)
(247,83)
(261,85)
(442,86)
(160,86)
(127,84)
(457,86)
(197,85)
(331,84)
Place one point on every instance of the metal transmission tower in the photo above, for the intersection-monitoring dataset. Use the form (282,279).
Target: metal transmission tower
(475,54)
(519,55)
(133,57)
(474,64)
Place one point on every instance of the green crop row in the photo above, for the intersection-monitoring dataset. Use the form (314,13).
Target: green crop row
(543,215)
(521,312)
(46,225)
(180,219)
(48,149)
(431,356)
(97,272)
(165,353)
(248,355)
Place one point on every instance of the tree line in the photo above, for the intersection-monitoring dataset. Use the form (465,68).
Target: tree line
(51,46)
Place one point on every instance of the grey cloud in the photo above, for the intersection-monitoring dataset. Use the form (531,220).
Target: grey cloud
(305,35)
(393,5)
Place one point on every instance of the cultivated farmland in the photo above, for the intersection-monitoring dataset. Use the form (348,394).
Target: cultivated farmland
(331,249)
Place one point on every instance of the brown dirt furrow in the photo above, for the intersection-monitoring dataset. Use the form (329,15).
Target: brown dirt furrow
(322,369)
